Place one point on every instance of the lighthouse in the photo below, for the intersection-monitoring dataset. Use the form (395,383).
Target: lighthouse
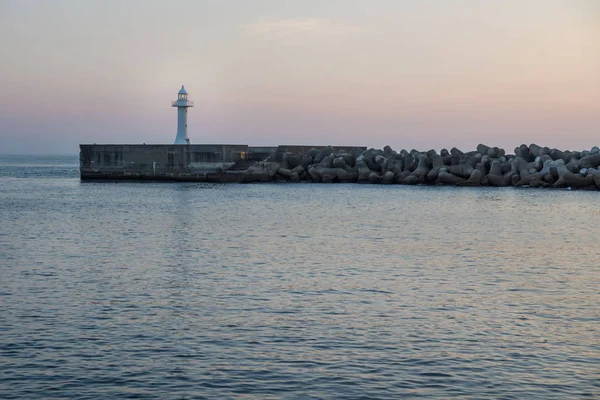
(182,103)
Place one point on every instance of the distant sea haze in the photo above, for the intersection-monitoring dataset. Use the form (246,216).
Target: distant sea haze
(192,290)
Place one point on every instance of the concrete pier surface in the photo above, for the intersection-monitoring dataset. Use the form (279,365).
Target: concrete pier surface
(529,166)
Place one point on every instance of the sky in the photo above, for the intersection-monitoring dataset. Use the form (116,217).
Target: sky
(409,73)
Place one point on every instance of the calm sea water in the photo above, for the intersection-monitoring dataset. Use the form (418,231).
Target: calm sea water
(185,291)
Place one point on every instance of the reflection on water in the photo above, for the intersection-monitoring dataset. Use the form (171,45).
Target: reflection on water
(112,290)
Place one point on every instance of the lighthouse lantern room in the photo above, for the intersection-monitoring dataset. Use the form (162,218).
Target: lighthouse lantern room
(182,103)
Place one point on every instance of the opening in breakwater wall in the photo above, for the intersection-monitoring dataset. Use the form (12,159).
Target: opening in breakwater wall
(529,166)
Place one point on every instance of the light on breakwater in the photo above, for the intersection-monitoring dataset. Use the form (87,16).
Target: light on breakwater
(182,103)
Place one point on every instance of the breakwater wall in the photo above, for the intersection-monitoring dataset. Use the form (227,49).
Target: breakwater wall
(529,165)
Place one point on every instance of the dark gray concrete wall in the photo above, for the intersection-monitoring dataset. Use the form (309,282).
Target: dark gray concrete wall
(193,162)
(159,161)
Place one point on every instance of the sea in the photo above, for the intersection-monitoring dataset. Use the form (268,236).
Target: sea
(154,290)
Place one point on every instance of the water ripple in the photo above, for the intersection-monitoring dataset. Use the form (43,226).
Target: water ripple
(189,291)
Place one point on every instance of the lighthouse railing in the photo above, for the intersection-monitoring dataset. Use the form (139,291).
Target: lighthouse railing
(182,103)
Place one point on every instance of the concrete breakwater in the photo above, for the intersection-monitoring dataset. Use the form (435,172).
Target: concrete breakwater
(529,166)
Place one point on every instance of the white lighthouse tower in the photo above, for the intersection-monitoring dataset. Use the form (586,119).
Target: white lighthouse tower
(182,105)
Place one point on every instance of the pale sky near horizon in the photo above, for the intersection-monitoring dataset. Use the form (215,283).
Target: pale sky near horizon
(409,73)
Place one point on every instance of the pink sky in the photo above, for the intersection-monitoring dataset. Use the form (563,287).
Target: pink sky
(412,74)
